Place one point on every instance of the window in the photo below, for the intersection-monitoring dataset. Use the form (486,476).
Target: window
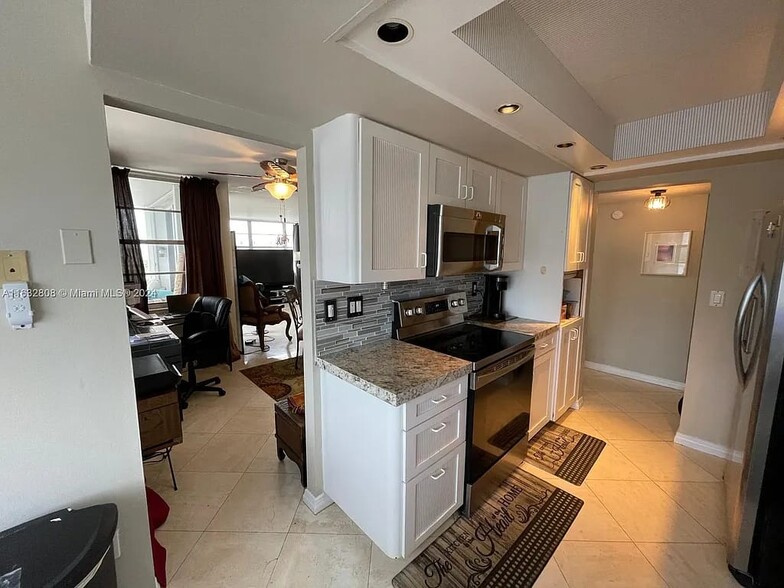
(250,234)
(158,221)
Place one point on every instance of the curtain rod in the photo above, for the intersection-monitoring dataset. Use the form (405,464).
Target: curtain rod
(157,175)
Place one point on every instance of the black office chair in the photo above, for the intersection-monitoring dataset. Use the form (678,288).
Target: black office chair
(205,342)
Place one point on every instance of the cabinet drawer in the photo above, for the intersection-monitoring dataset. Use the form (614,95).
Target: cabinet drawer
(422,408)
(432,497)
(427,443)
(160,426)
(546,344)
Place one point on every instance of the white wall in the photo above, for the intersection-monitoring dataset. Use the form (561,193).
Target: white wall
(68,420)
(636,322)
(711,386)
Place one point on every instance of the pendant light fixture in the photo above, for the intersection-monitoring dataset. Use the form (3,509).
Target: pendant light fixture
(657,200)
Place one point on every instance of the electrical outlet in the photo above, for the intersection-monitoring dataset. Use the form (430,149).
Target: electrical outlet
(716,298)
(14,266)
(354,306)
(330,310)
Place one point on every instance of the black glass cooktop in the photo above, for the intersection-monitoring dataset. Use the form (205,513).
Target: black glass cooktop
(473,343)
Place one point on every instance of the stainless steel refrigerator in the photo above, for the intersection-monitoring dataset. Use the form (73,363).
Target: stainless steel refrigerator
(754,476)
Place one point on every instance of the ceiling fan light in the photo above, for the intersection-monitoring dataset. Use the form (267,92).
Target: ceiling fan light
(280,190)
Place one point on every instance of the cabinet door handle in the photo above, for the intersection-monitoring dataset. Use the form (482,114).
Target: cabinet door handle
(438,400)
(544,346)
(424,259)
(439,428)
(471,191)
(440,473)
(465,193)
(573,334)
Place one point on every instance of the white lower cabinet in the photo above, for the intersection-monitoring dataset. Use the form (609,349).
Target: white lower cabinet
(397,471)
(569,366)
(432,497)
(544,382)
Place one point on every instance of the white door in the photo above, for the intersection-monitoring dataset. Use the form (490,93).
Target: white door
(573,371)
(511,202)
(574,239)
(393,185)
(543,384)
(569,368)
(448,176)
(481,186)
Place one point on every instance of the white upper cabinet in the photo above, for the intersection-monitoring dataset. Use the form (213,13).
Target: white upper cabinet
(458,180)
(448,172)
(371,202)
(481,191)
(577,231)
(510,201)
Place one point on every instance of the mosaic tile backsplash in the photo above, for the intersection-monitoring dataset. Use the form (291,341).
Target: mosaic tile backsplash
(376,322)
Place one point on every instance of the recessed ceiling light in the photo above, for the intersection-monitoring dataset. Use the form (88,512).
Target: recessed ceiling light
(394,32)
(598,166)
(510,108)
(565,145)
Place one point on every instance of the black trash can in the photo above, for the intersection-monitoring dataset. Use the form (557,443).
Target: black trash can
(64,549)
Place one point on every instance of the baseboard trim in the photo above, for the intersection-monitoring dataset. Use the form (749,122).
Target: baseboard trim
(708,447)
(616,371)
(316,503)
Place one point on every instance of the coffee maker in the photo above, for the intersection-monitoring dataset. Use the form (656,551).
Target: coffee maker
(492,305)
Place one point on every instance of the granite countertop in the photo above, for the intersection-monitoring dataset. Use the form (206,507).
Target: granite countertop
(394,371)
(537,329)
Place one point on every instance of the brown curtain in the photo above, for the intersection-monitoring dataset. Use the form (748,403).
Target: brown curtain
(201,231)
(130,248)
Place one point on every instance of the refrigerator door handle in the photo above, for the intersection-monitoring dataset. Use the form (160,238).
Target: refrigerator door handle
(741,326)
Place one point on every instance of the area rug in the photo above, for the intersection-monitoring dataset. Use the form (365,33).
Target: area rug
(277,379)
(564,452)
(506,542)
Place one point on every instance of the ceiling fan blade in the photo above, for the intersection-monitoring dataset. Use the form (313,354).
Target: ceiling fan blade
(213,173)
(260,186)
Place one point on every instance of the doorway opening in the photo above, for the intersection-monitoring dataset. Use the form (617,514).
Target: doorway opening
(196,237)
(647,249)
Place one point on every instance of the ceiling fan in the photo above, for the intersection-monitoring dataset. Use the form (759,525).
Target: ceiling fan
(279,179)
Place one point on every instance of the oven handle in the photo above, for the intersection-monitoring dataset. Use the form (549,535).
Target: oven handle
(488,375)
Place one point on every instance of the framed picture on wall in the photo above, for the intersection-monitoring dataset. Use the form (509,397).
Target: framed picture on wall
(666,253)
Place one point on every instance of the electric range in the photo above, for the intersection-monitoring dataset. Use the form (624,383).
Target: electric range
(499,395)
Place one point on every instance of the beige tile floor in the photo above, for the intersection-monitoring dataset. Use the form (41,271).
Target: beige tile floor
(653,514)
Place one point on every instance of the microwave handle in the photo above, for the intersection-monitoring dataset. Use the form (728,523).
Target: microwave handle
(497,263)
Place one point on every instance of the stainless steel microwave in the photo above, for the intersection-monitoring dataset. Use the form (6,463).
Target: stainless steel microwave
(463,241)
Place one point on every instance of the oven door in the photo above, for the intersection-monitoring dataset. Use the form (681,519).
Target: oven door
(499,411)
(463,241)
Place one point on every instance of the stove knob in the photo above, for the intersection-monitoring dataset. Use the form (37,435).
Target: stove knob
(419,310)
(461,302)
(409,312)
(454,303)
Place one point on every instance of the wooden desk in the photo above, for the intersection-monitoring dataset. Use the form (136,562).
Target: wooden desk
(290,437)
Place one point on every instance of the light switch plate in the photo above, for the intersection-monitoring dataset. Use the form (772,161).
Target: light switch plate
(716,298)
(13,266)
(77,246)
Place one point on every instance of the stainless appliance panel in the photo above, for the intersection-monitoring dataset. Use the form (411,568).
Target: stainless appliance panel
(758,348)
(462,241)
(499,406)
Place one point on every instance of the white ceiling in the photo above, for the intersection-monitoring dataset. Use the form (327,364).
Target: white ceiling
(633,58)
(270,57)
(154,144)
(643,193)
(641,58)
